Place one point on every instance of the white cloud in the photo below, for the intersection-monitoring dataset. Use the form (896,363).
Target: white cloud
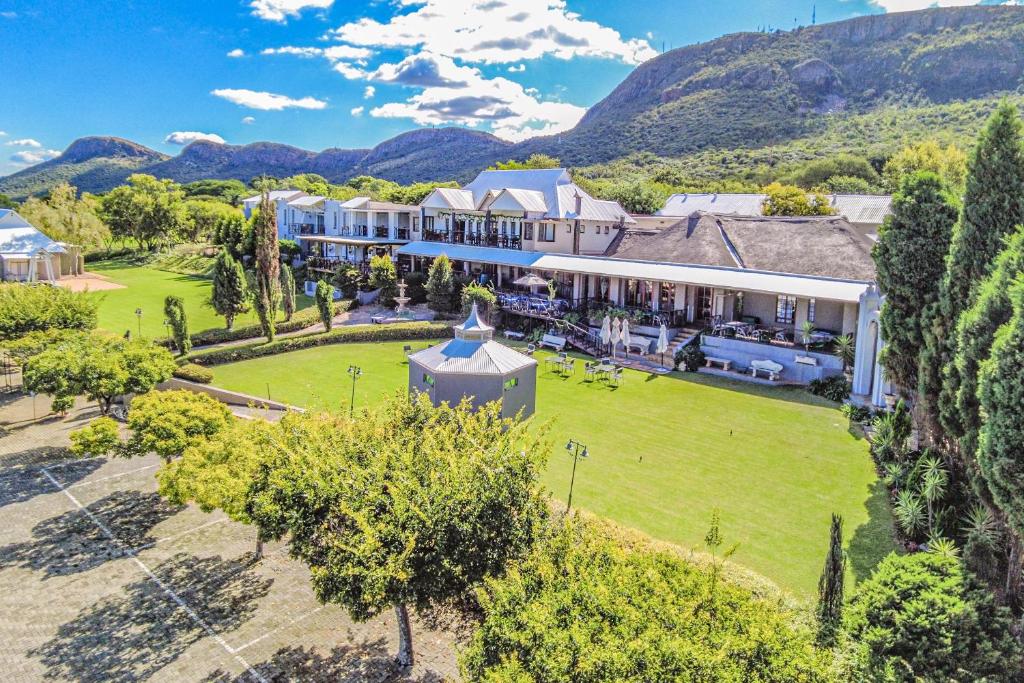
(266,101)
(453,94)
(236,53)
(24,142)
(3,133)
(369,92)
(249,120)
(9,15)
(30,157)
(334,53)
(184,137)
(496,31)
(352,73)
(517,68)
(357,111)
(280,10)
(908,5)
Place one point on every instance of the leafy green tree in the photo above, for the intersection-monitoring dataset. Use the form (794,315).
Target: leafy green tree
(639,197)
(162,422)
(384,277)
(324,297)
(25,309)
(227,191)
(830,585)
(919,618)
(100,366)
(819,171)
(267,294)
(230,292)
(415,193)
(7,203)
(174,310)
(534,161)
(910,256)
(949,163)
(63,217)
(407,505)
(482,296)
(234,234)
(789,200)
(204,217)
(287,292)
(348,279)
(147,210)
(589,605)
(846,184)
(440,285)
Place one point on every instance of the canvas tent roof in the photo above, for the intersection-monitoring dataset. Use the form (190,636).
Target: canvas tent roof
(20,238)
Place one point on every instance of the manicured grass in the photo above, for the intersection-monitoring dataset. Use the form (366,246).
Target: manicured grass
(146,288)
(664,452)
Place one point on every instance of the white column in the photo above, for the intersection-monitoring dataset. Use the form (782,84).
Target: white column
(614,286)
(392,232)
(849,318)
(656,297)
(576,285)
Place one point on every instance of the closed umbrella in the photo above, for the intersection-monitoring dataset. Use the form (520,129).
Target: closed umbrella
(662,342)
(625,336)
(606,330)
(616,334)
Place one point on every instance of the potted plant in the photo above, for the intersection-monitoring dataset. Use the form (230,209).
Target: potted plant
(846,350)
(806,330)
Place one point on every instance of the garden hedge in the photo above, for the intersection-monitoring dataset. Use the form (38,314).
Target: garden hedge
(194,373)
(339,335)
(307,317)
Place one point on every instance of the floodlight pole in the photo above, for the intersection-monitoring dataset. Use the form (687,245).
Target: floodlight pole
(355,371)
(578,451)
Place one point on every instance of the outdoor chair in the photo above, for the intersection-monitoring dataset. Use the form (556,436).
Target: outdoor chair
(569,366)
(590,371)
(530,349)
(615,377)
(407,349)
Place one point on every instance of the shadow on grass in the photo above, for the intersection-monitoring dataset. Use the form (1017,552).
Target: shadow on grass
(71,542)
(873,539)
(133,634)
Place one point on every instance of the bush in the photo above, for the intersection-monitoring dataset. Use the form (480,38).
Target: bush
(194,373)
(480,295)
(342,335)
(853,413)
(28,308)
(689,358)
(416,287)
(324,303)
(307,317)
(834,388)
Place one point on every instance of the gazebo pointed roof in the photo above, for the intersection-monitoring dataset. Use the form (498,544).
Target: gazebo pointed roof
(474,328)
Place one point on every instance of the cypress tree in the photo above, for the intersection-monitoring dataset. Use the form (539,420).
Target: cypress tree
(230,295)
(911,259)
(325,303)
(440,285)
(174,310)
(287,292)
(268,266)
(993,207)
(830,585)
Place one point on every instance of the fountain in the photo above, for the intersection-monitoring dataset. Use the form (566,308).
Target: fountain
(401,311)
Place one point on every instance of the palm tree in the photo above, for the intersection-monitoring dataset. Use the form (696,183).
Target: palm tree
(933,486)
(909,512)
(846,350)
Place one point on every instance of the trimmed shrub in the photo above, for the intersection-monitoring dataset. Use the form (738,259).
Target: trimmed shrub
(834,388)
(342,335)
(28,308)
(194,373)
(307,317)
(689,358)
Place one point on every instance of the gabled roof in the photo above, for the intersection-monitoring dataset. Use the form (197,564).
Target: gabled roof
(367,204)
(539,180)
(590,208)
(856,208)
(820,246)
(275,195)
(450,198)
(526,200)
(307,202)
(20,238)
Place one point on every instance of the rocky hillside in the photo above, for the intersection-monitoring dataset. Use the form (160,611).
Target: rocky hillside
(865,85)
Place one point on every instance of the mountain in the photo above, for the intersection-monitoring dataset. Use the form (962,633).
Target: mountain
(95,164)
(865,85)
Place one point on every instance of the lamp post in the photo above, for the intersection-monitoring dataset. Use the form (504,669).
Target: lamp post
(167,327)
(578,451)
(138,314)
(355,371)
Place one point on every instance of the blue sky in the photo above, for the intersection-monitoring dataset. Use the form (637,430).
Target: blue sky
(341,73)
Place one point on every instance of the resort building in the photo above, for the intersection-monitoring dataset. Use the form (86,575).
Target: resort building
(26,254)
(752,291)
(279,198)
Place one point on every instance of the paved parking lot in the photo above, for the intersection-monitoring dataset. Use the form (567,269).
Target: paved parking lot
(101,580)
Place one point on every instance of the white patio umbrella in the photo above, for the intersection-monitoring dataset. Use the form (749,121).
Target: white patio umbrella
(616,334)
(662,343)
(626,339)
(606,330)
(530,280)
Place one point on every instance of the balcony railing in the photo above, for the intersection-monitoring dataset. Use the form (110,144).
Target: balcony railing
(323,263)
(354,231)
(475,239)
(539,305)
(402,234)
(381,231)
(311,229)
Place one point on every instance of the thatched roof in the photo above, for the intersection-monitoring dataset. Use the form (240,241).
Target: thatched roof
(824,246)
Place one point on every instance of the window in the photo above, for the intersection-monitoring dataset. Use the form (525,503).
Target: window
(810,310)
(428,223)
(527,231)
(415,223)
(511,383)
(583,228)
(606,229)
(785,309)
(546,232)
(428,380)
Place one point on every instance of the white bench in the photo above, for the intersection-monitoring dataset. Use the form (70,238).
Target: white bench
(512,334)
(724,362)
(771,368)
(555,342)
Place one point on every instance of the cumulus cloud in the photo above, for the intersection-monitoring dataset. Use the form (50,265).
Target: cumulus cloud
(356,111)
(185,137)
(249,120)
(908,5)
(32,156)
(24,142)
(334,53)
(517,68)
(280,10)
(453,94)
(369,92)
(266,101)
(236,53)
(493,32)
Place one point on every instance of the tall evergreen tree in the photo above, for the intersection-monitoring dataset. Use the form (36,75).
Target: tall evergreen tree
(993,207)
(830,585)
(174,310)
(287,292)
(268,266)
(325,303)
(911,259)
(230,294)
(440,285)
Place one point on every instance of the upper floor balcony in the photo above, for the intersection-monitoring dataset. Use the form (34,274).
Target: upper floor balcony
(474,239)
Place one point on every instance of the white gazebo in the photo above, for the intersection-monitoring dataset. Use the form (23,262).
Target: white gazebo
(26,254)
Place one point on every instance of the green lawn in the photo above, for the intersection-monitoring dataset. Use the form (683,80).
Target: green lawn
(664,452)
(145,288)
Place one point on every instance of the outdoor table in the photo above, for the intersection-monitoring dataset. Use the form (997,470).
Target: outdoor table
(605,369)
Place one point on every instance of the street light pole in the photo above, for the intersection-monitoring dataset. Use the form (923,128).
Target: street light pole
(355,371)
(578,451)
(138,314)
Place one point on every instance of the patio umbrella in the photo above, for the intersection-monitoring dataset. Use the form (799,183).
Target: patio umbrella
(606,330)
(530,280)
(625,336)
(662,342)
(616,334)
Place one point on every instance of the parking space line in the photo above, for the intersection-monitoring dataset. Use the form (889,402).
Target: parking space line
(271,632)
(166,589)
(180,534)
(112,476)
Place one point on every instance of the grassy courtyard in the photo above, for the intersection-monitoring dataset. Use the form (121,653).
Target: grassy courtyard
(664,452)
(146,288)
